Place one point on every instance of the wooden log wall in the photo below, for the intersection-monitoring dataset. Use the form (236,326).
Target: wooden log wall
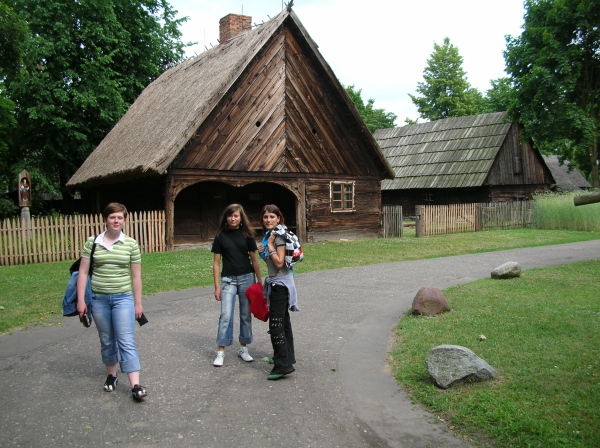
(324,224)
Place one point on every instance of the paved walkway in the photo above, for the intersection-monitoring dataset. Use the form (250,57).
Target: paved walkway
(341,395)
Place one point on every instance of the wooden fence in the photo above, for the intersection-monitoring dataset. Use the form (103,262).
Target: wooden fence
(56,239)
(457,218)
(392,221)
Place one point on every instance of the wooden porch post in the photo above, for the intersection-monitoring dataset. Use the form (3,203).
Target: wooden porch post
(301,212)
(169,213)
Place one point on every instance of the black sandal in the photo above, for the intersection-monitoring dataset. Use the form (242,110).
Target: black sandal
(111,383)
(138,392)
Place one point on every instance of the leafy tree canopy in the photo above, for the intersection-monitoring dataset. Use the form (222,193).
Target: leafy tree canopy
(83,63)
(13,32)
(555,68)
(445,91)
(501,97)
(374,118)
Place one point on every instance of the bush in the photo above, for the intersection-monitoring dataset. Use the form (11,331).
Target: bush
(8,209)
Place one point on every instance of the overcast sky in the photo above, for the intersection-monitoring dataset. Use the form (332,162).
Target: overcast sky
(379,46)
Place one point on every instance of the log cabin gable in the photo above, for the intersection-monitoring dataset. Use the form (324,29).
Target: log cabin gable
(283,114)
(322,131)
(518,163)
(248,119)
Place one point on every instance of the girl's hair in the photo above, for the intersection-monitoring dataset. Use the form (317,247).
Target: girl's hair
(114,207)
(271,208)
(244,221)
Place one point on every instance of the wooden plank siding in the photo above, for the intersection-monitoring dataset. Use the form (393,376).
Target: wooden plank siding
(224,140)
(323,224)
(517,164)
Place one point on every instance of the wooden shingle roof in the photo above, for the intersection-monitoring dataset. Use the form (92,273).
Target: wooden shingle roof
(567,179)
(450,153)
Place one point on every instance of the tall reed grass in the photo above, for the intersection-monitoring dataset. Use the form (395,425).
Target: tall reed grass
(558,212)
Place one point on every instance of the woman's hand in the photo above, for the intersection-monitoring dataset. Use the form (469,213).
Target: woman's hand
(271,242)
(138,311)
(217,294)
(260,248)
(81,308)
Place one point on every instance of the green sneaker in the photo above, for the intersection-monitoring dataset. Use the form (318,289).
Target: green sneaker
(275,376)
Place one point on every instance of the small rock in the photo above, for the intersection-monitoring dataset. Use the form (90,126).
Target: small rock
(448,364)
(510,269)
(430,301)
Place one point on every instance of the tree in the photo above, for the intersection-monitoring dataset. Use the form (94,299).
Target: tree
(501,97)
(13,32)
(446,91)
(84,63)
(374,118)
(555,68)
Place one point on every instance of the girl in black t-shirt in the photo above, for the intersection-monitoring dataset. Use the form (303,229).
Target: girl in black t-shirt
(235,245)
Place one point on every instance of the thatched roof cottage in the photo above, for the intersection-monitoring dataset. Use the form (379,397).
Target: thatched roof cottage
(260,118)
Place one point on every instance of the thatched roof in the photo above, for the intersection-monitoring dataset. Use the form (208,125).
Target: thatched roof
(166,114)
(450,153)
(169,111)
(567,178)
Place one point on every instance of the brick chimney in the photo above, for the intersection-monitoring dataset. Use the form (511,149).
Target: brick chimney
(233,24)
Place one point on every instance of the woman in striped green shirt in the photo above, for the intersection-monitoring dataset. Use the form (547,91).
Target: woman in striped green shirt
(116,297)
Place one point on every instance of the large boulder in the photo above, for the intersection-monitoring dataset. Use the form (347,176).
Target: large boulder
(510,269)
(430,301)
(448,364)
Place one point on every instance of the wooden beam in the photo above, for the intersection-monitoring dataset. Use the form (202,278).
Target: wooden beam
(586,199)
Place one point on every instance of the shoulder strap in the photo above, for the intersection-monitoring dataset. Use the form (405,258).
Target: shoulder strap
(91,270)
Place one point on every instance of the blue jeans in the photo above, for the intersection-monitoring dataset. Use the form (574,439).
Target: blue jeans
(115,319)
(232,286)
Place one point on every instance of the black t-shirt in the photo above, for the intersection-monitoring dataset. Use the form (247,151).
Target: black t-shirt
(235,249)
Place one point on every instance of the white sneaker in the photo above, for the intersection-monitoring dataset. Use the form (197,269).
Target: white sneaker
(243,353)
(218,362)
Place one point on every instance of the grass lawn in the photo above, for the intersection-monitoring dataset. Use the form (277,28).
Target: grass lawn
(32,293)
(542,332)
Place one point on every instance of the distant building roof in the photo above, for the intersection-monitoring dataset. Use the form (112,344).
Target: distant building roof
(567,178)
(450,153)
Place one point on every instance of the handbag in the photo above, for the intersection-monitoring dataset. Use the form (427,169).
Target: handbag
(70,297)
(258,302)
(75,266)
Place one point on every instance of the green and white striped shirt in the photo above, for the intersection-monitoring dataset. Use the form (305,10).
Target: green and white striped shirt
(112,268)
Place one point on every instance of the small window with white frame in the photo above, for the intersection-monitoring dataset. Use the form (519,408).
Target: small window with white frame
(342,196)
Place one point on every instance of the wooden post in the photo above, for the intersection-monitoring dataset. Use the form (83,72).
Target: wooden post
(25,202)
(419,226)
(169,212)
(301,212)
(586,199)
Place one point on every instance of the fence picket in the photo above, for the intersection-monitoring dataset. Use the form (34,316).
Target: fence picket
(62,238)
(456,218)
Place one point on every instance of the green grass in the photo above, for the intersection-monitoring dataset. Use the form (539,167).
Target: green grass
(557,211)
(542,338)
(32,293)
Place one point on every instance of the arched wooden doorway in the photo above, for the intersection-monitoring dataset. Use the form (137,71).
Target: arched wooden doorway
(198,207)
